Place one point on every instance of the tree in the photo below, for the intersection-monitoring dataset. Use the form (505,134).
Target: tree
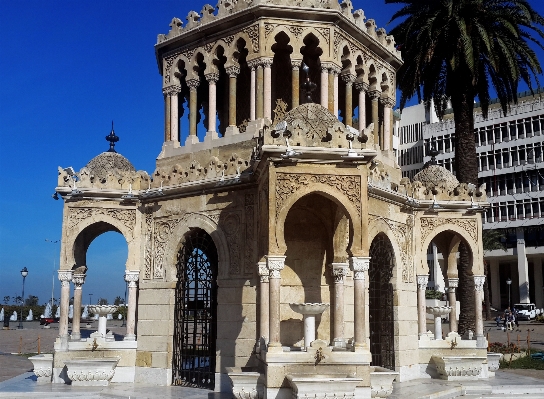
(118,301)
(456,50)
(17,300)
(31,301)
(6,299)
(491,240)
(102,301)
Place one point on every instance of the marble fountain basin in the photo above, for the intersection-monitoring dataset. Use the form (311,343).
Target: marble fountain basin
(317,385)
(91,372)
(309,308)
(43,367)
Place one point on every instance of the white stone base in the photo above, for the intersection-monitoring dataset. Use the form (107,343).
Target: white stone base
(408,373)
(43,367)
(124,374)
(153,376)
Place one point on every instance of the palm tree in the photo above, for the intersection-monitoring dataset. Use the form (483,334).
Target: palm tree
(456,50)
(491,240)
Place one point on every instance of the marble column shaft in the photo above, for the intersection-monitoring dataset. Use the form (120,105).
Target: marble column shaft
(233,72)
(264,297)
(275,264)
(422,281)
(331,90)
(193,85)
(336,73)
(478,297)
(360,266)
(453,283)
(339,271)
(78,280)
(167,126)
(65,276)
(131,277)
(212,100)
(295,84)
(348,112)
(362,87)
(267,89)
(324,86)
(374,97)
(259,97)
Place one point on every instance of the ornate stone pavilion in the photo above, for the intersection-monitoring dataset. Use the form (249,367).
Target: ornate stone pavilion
(279,252)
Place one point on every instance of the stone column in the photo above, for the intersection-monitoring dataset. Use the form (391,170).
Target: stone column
(453,283)
(193,110)
(172,93)
(252,94)
(495,283)
(478,298)
(167,133)
(374,97)
(388,104)
(212,79)
(233,72)
(259,97)
(336,73)
(330,95)
(339,271)
(324,86)
(295,85)
(360,265)
(348,112)
(523,268)
(362,87)
(131,277)
(267,107)
(65,276)
(78,280)
(264,301)
(275,264)
(422,281)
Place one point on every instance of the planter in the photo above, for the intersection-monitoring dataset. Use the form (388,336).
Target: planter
(245,384)
(91,372)
(318,386)
(493,360)
(43,367)
(381,382)
(455,368)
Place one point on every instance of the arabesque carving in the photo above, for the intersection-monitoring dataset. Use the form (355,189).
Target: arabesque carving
(125,216)
(428,224)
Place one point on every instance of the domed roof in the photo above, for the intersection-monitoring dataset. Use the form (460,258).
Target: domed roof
(106,162)
(435,175)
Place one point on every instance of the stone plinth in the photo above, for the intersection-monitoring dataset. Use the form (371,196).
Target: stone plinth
(458,368)
(323,386)
(493,360)
(381,382)
(245,383)
(91,372)
(43,367)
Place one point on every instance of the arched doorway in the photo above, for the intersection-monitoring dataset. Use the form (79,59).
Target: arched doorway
(195,317)
(380,303)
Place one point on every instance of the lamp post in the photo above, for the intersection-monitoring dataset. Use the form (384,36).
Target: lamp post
(24,273)
(90,295)
(509,282)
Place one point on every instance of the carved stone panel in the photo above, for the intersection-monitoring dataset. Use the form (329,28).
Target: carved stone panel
(125,216)
(428,224)
(249,254)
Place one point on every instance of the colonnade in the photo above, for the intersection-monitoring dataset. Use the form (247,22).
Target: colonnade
(453,283)
(67,276)
(270,285)
(260,104)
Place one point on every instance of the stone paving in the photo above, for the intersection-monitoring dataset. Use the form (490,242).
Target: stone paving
(17,380)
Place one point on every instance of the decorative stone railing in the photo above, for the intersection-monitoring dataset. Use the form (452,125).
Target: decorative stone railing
(43,367)
(91,372)
(381,382)
(455,368)
(320,386)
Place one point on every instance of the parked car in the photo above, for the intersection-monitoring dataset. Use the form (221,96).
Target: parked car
(47,320)
(526,311)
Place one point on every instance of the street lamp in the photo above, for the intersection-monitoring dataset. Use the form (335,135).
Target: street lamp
(90,295)
(509,282)
(24,273)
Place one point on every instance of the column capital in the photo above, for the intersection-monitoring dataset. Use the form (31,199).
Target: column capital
(212,77)
(131,277)
(233,71)
(296,64)
(334,69)
(266,62)
(422,281)
(359,265)
(275,264)
(172,90)
(453,282)
(263,271)
(192,84)
(479,283)
(348,78)
(388,102)
(78,279)
(374,95)
(361,86)
(339,271)
(253,64)
(65,276)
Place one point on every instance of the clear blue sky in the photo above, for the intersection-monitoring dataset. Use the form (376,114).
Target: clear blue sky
(67,68)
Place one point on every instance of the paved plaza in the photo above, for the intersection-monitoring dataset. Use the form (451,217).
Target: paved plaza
(18,381)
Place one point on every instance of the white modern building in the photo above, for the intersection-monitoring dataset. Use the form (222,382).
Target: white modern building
(511,165)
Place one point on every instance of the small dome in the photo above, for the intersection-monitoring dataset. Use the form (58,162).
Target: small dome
(106,162)
(435,175)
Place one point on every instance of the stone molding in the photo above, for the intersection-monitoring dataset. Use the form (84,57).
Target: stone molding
(360,266)
(275,264)
(422,281)
(131,277)
(479,283)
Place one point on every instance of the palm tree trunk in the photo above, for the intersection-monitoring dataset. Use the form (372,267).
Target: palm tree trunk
(466,161)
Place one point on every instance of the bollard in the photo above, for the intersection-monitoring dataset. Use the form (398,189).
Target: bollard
(39,342)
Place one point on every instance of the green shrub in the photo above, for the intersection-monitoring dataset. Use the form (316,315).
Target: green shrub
(433,294)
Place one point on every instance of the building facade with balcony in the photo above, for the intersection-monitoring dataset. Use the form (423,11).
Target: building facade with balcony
(510,155)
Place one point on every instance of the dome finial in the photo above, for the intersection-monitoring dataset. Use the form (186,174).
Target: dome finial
(433,152)
(112,138)
(308,85)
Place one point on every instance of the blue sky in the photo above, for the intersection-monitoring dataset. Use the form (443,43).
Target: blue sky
(67,69)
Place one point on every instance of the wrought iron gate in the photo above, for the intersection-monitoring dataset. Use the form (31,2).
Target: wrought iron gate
(381,303)
(195,317)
